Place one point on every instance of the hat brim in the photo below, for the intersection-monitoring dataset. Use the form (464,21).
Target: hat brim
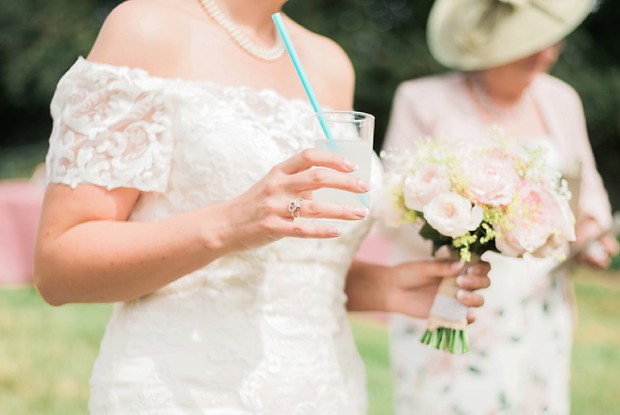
(480,34)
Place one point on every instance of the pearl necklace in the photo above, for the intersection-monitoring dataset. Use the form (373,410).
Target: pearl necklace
(240,39)
(492,108)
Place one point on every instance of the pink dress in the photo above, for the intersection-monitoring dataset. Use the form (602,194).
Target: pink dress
(519,361)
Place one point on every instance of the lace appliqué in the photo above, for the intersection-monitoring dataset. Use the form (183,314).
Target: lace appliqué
(108,131)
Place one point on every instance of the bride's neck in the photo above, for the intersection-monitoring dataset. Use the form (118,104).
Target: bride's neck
(253,16)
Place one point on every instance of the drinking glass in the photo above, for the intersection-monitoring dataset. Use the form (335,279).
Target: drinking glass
(352,138)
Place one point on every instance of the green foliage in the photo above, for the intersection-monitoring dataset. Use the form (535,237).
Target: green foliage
(592,66)
(385,39)
(39,40)
(431,234)
(386,42)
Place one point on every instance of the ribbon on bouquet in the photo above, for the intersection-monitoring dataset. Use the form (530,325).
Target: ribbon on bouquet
(447,322)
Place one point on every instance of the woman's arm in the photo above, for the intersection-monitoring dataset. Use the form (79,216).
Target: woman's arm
(87,252)
(410,288)
(594,210)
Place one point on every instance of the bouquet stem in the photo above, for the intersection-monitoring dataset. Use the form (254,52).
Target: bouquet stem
(447,321)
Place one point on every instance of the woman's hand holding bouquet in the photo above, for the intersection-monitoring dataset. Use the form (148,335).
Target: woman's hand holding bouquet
(476,197)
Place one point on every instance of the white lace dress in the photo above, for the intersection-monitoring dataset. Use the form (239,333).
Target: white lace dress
(263,331)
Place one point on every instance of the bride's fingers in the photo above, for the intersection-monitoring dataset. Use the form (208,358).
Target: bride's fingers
(469,298)
(315,158)
(324,178)
(473,282)
(312,209)
(480,268)
(298,229)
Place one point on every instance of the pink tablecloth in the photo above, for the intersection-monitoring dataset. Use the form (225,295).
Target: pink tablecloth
(374,249)
(20,208)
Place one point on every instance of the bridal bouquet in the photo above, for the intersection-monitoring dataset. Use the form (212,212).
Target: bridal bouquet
(472,198)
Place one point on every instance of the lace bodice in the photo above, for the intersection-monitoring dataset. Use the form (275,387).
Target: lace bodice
(263,331)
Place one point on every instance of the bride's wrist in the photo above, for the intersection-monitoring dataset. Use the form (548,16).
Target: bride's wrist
(217,233)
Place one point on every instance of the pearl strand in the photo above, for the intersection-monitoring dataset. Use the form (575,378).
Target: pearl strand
(240,39)
(496,111)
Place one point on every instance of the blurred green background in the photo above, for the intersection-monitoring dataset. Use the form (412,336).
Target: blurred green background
(46,354)
(385,39)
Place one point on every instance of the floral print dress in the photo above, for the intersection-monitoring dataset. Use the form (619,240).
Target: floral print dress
(519,363)
(519,358)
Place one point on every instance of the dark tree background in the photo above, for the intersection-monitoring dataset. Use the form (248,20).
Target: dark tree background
(385,39)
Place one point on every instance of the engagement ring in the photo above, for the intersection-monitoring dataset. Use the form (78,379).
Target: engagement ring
(294,207)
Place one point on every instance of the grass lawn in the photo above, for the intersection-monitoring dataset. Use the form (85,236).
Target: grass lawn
(46,353)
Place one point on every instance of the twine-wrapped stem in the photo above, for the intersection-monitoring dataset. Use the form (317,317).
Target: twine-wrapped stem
(447,322)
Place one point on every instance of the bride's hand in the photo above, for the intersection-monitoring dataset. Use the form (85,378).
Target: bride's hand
(412,286)
(261,215)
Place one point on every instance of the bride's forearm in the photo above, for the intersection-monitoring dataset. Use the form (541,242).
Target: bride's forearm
(88,252)
(366,287)
(109,261)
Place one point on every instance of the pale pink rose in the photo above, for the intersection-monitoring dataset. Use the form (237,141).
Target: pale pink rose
(555,247)
(421,187)
(563,225)
(490,179)
(452,215)
(538,223)
(522,237)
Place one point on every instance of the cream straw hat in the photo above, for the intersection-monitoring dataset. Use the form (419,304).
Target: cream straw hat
(479,34)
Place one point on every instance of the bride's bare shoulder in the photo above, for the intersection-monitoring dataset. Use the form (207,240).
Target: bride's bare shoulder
(142,33)
(329,65)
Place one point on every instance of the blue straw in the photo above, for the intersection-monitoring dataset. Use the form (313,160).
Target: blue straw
(277,18)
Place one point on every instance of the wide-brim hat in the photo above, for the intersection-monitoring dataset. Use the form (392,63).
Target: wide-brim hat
(480,34)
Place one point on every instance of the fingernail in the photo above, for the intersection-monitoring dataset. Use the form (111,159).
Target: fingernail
(365,186)
(461,295)
(350,165)
(362,212)
(457,265)
(333,232)
(460,281)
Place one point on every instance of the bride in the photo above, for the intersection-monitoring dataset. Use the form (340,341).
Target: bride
(175,153)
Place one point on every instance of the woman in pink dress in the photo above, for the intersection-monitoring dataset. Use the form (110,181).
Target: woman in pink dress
(520,346)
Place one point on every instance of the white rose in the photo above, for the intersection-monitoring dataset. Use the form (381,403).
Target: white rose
(452,215)
(421,187)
